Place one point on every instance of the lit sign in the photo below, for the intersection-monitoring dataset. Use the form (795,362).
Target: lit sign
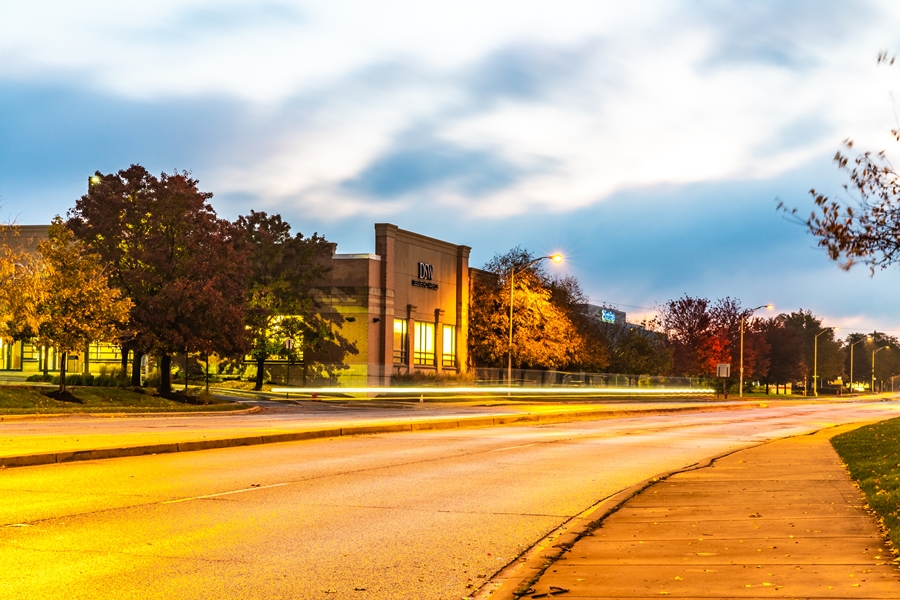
(608,316)
(426,271)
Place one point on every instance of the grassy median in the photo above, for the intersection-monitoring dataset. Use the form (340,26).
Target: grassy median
(872,454)
(21,400)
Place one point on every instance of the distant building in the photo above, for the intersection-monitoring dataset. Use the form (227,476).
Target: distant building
(604,314)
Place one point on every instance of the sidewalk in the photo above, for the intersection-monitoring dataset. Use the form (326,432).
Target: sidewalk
(780,520)
(38,441)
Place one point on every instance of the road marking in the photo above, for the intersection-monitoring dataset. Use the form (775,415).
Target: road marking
(512,447)
(241,491)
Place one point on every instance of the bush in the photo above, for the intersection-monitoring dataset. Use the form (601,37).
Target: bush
(419,378)
(40,377)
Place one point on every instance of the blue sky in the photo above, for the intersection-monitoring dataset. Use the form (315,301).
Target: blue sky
(649,143)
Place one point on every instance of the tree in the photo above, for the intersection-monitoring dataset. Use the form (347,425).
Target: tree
(592,353)
(868,232)
(183,267)
(637,350)
(698,344)
(726,315)
(887,363)
(786,353)
(543,334)
(830,353)
(77,305)
(279,306)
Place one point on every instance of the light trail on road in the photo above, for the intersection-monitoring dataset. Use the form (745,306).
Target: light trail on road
(428,515)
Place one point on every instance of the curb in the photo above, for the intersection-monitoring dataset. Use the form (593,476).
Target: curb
(255,440)
(125,415)
(512,581)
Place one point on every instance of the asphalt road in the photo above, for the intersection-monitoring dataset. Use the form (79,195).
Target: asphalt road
(410,515)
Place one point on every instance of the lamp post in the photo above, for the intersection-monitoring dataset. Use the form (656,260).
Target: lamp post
(816,360)
(868,338)
(512,275)
(743,316)
(874,352)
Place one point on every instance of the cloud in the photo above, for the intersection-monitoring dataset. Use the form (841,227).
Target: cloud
(421,165)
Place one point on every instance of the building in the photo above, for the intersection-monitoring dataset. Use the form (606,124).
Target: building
(405,308)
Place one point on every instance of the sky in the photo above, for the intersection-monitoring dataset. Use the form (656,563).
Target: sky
(648,142)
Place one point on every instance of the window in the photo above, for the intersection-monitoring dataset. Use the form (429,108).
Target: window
(423,353)
(400,340)
(448,356)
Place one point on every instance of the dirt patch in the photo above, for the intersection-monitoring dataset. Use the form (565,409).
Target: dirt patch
(64,397)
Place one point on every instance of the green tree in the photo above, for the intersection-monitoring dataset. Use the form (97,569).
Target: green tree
(830,353)
(77,304)
(637,350)
(279,304)
(786,353)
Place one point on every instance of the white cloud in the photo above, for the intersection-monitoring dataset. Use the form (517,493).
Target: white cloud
(655,93)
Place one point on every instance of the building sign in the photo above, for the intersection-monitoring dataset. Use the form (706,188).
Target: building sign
(608,316)
(426,272)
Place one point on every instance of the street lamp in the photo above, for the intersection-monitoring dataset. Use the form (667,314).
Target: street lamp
(874,352)
(743,315)
(816,360)
(868,338)
(512,275)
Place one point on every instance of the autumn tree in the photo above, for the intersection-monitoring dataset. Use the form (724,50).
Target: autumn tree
(726,316)
(865,227)
(76,304)
(543,334)
(592,353)
(698,344)
(184,268)
(279,305)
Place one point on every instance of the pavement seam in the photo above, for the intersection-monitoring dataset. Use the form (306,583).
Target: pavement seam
(31,460)
(510,584)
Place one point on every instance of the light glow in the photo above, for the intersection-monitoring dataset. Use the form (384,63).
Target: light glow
(497,390)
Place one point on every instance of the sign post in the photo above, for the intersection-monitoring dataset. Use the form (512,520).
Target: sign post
(723,370)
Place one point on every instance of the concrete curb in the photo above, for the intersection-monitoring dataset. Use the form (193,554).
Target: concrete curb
(125,415)
(192,446)
(512,581)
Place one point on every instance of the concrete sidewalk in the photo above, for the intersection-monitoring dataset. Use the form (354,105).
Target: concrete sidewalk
(778,520)
(92,437)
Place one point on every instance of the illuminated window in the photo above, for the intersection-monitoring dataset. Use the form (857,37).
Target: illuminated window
(448,356)
(423,353)
(400,340)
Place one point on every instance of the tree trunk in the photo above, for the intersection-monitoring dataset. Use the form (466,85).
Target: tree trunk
(136,368)
(46,359)
(165,374)
(62,372)
(260,372)
(125,350)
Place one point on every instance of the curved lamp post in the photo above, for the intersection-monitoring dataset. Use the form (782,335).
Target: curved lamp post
(512,274)
(868,338)
(816,360)
(743,316)
(874,352)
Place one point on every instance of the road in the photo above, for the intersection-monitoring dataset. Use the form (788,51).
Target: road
(410,515)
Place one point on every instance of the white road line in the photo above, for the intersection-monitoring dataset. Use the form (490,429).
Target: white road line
(512,447)
(241,491)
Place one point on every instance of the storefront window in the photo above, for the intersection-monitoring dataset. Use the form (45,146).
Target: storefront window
(423,354)
(448,356)
(400,340)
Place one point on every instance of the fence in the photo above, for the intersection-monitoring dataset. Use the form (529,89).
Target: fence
(539,378)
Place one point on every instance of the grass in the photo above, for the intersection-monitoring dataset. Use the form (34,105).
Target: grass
(872,453)
(21,400)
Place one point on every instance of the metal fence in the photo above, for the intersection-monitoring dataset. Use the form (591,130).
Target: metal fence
(540,378)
